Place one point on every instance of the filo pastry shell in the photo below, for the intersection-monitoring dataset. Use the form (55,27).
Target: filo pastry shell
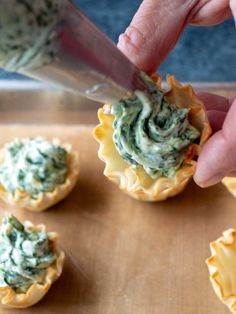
(134,180)
(230,184)
(9,298)
(222,268)
(22,199)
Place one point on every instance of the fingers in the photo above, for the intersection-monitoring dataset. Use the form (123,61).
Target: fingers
(216,119)
(207,13)
(232,4)
(214,102)
(216,107)
(218,157)
(154,31)
(158,24)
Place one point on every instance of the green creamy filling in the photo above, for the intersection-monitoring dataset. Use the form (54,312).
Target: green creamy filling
(33,165)
(28,33)
(24,255)
(152,133)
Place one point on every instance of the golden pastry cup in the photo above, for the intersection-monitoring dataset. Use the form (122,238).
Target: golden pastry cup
(23,199)
(134,180)
(230,184)
(222,268)
(9,298)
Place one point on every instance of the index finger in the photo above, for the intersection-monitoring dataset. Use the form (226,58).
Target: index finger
(153,32)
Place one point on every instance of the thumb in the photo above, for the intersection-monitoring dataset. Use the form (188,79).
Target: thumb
(218,156)
(154,32)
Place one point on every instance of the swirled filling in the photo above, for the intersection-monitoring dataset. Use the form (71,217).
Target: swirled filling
(24,255)
(152,133)
(28,33)
(33,165)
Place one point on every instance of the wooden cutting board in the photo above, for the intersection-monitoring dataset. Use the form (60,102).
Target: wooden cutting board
(122,255)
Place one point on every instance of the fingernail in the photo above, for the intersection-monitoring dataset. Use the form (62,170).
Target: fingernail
(205,182)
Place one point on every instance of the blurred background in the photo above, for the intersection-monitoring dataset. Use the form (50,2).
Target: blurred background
(202,54)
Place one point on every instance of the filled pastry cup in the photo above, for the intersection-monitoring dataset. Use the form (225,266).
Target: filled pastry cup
(23,199)
(10,298)
(230,184)
(134,180)
(222,268)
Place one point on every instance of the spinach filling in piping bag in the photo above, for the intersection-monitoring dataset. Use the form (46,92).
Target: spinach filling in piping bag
(28,33)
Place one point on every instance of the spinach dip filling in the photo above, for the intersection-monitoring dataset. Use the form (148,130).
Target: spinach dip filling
(24,255)
(33,165)
(29,38)
(152,133)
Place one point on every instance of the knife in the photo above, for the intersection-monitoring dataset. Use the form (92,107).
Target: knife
(88,62)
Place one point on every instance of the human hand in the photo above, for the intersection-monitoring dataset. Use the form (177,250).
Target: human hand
(151,35)
(158,24)
(218,156)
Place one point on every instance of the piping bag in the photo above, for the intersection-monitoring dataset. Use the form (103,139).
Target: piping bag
(65,49)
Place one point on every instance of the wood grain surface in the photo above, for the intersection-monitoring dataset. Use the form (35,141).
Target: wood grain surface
(122,255)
